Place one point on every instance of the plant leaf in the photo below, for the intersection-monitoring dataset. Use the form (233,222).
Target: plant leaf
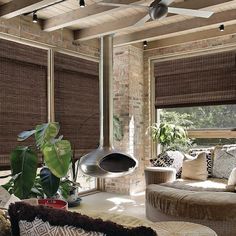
(24,167)
(117,126)
(25,134)
(50,183)
(45,132)
(57,157)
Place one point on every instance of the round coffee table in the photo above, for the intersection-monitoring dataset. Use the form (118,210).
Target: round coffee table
(179,228)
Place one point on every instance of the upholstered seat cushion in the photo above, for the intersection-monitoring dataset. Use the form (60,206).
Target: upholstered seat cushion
(204,205)
(211,184)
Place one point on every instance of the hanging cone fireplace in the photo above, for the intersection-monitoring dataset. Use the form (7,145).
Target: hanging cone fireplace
(106,161)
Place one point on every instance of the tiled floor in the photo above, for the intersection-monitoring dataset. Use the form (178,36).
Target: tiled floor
(114,203)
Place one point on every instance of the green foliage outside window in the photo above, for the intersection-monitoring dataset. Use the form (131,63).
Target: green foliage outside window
(205,117)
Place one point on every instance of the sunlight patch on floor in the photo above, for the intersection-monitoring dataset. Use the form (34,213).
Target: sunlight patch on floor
(115,203)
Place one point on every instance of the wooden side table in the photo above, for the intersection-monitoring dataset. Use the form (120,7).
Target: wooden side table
(179,228)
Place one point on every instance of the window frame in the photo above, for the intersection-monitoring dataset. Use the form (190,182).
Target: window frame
(50,82)
(192,133)
(207,132)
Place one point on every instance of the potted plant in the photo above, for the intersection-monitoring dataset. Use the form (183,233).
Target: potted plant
(56,154)
(173,140)
(169,136)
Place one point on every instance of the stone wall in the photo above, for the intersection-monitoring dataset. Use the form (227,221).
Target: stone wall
(128,106)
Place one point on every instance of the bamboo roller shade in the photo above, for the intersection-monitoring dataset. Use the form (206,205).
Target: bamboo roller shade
(23,96)
(196,81)
(77,101)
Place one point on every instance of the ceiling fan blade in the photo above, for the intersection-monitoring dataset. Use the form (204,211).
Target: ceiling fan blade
(142,21)
(167,2)
(189,12)
(122,5)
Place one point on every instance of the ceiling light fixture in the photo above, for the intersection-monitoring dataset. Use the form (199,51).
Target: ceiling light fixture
(34,12)
(222,27)
(145,44)
(82,3)
(35,17)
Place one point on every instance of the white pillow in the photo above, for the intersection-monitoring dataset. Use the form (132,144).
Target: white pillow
(196,168)
(232,178)
(224,161)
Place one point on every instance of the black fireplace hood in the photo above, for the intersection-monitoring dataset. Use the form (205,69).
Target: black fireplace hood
(106,161)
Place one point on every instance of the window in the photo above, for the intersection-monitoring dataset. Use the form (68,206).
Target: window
(208,125)
(77,106)
(24,100)
(199,93)
(23,97)
(203,117)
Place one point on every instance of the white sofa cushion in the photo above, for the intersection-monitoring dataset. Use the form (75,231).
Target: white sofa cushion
(209,185)
(209,157)
(232,178)
(195,169)
(224,161)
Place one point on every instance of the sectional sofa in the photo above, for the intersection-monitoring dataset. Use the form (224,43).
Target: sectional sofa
(205,199)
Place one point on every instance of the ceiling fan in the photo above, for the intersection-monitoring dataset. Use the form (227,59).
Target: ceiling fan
(159,9)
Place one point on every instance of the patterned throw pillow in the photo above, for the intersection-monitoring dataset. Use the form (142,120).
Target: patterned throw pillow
(39,227)
(163,160)
(209,157)
(27,220)
(224,161)
(172,159)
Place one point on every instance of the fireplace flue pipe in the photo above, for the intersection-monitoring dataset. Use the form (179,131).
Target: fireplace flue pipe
(107,161)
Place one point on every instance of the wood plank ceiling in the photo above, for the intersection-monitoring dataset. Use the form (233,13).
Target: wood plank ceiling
(96,20)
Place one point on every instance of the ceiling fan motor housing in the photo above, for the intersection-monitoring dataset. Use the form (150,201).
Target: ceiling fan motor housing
(158,10)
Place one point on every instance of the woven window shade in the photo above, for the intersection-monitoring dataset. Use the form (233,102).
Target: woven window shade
(196,81)
(23,97)
(77,101)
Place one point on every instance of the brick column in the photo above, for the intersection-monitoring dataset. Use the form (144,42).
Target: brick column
(129,107)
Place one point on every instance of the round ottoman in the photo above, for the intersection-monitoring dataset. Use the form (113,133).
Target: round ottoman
(158,175)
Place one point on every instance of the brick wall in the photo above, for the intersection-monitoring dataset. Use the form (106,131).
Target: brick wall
(128,106)
(23,27)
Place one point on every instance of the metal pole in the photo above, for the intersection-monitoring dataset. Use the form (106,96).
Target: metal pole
(50,86)
(106,91)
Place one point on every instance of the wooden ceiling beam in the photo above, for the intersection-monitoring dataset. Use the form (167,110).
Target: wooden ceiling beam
(174,29)
(191,37)
(125,23)
(74,17)
(19,7)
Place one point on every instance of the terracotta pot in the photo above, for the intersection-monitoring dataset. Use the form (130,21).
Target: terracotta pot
(54,203)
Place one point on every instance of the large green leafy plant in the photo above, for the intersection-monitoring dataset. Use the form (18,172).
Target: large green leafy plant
(169,136)
(56,154)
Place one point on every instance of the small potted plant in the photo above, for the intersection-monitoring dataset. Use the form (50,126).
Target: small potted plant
(56,154)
